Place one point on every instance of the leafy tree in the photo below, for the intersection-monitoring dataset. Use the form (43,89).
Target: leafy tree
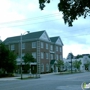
(77,64)
(60,64)
(78,56)
(71,9)
(28,58)
(87,64)
(7,59)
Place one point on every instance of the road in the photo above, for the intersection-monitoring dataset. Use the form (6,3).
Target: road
(48,82)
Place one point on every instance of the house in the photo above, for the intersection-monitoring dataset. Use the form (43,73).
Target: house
(84,58)
(40,45)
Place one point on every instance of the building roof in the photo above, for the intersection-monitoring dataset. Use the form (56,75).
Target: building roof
(33,35)
(54,39)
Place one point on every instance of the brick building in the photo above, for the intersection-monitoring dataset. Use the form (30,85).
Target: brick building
(43,48)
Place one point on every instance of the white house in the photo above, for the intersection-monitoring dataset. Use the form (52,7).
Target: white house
(85,59)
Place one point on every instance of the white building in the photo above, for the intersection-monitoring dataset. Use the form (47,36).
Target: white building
(85,59)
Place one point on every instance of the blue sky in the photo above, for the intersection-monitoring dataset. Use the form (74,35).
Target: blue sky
(29,17)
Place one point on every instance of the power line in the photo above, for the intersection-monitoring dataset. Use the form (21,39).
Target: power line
(31,23)
(33,18)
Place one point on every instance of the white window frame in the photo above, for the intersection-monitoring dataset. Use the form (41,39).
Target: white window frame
(12,47)
(60,49)
(46,46)
(60,57)
(52,57)
(47,55)
(42,45)
(23,45)
(23,54)
(34,54)
(42,55)
(47,67)
(56,48)
(57,58)
(42,67)
(33,44)
(51,47)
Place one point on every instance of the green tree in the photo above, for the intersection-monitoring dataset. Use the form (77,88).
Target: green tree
(78,56)
(28,58)
(60,64)
(7,60)
(77,64)
(71,9)
(87,65)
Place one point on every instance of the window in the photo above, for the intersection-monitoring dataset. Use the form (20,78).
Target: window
(56,57)
(42,55)
(46,46)
(33,44)
(23,46)
(60,57)
(34,55)
(56,48)
(23,54)
(47,67)
(12,47)
(51,56)
(60,49)
(51,47)
(46,55)
(42,45)
(42,67)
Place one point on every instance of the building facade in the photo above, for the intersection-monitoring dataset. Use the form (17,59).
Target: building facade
(42,47)
(84,58)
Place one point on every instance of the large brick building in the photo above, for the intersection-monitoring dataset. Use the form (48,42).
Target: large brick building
(43,48)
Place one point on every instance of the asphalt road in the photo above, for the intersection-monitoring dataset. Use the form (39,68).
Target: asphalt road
(48,82)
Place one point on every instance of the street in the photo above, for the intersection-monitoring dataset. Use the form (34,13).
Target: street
(48,82)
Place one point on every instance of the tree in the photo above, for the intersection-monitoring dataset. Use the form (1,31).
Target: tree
(71,9)
(60,64)
(7,60)
(78,56)
(87,64)
(77,64)
(28,58)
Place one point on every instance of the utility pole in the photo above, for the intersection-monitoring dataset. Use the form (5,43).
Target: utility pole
(21,56)
(71,64)
(21,52)
(71,61)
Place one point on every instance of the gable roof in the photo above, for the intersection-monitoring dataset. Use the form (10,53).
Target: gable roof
(54,39)
(33,35)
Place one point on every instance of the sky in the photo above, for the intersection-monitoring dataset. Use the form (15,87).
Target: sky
(19,16)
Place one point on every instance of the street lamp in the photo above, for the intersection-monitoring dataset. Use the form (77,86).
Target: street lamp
(71,56)
(21,56)
(21,52)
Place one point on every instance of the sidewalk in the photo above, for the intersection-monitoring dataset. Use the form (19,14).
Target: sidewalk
(24,76)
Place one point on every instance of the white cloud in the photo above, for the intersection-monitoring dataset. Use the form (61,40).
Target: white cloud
(6,14)
(76,48)
(10,32)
